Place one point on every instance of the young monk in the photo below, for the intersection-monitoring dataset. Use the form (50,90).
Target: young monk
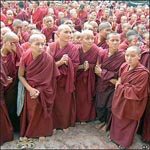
(11,53)
(85,80)
(6,129)
(37,73)
(67,59)
(107,71)
(129,99)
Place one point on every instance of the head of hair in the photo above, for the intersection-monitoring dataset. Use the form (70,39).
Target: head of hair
(104,25)
(136,48)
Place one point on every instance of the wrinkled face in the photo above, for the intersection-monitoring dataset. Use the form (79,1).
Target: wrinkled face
(38,44)
(49,22)
(113,42)
(88,40)
(132,58)
(65,34)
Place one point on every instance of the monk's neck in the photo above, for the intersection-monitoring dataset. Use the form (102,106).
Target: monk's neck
(35,54)
(62,44)
(85,48)
(4,52)
(111,52)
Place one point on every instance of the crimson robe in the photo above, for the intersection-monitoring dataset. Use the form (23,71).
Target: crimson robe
(85,85)
(38,15)
(124,45)
(64,112)
(41,73)
(145,60)
(12,63)
(128,104)
(103,44)
(104,88)
(6,129)
(49,33)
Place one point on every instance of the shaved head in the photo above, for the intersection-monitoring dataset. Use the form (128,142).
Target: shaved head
(134,48)
(34,37)
(10,36)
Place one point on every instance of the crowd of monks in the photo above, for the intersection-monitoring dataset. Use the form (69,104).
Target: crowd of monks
(66,62)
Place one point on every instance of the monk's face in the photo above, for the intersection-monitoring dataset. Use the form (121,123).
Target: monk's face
(146,39)
(105,31)
(77,39)
(65,34)
(113,42)
(132,58)
(87,40)
(37,45)
(49,22)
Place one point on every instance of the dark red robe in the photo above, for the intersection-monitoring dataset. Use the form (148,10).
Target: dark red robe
(104,88)
(12,62)
(128,104)
(6,129)
(103,44)
(145,60)
(85,85)
(41,73)
(64,112)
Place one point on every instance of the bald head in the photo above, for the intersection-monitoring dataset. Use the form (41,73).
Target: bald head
(134,48)
(62,27)
(104,25)
(86,32)
(35,37)
(10,36)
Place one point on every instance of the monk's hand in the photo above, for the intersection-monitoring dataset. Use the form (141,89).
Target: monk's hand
(86,65)
(34,93)
(117,83)
(9,80)
(113,81)
(98,69)
(66,57)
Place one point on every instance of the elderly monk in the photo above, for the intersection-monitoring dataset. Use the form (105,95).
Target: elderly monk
(107,70)
(6,129)
(85,79)
(130,99)
(67,59)
(11,53)
(104,29)
(37,73)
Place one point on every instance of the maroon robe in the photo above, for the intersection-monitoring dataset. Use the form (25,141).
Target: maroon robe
(104,88)
(103,44)
(145,60)
(12,62)
(85,85)
(124,45)
(41,73)
(49,33)
(6,129)
(64,112)
(128,104)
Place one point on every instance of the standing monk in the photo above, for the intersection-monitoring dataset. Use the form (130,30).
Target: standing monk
(6,129)
(85,82)
(145,60)
(107,71)
(37,73)
(11,56)
(130,99)
(67,59)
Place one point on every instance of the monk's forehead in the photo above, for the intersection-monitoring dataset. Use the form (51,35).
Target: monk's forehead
(131,51)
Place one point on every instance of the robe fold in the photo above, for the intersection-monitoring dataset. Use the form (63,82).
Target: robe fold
(6,129)
(85,85)
(128,104)
(64,111)
(12,62)
(145,60)
(41,73)
(104,88)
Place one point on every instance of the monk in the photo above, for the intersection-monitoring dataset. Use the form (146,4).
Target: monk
(107,70)
(130,99)
(67,59)
(37,72)
(6,128)
(145,60)
(11,53)
(104,29)
(85,79)
(49,28)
